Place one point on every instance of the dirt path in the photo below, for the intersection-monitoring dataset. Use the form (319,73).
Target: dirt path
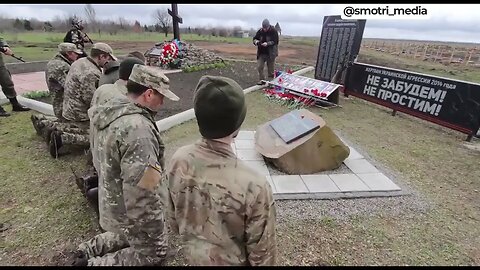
(288,53)
(183,84)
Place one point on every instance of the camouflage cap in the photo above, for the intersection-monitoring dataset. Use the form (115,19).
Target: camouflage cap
(152,78)
(104,47)
(68,47)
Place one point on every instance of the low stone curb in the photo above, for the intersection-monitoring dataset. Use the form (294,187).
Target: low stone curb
(162,125)
(339,195)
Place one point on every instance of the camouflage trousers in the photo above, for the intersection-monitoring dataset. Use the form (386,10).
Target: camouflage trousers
(72,133)
(112,249)
(57,103)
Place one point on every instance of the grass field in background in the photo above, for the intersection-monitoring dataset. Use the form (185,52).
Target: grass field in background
(52,37)
(37,46)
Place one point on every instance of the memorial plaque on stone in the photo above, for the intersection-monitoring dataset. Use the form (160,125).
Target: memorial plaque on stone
(155,52)
(339,43)
(293,125)
(314,151)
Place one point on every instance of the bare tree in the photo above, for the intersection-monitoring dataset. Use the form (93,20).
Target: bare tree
(123,23)
(91,16)
(164,20)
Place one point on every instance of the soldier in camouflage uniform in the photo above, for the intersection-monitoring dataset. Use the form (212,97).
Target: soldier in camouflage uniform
(56,73)
(77,37)
(80,85)
(223,210)
(57,70)
(131,160)
(101,96)
(6,82)
(111,70)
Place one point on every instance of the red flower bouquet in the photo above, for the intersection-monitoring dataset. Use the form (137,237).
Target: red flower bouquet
(169,53)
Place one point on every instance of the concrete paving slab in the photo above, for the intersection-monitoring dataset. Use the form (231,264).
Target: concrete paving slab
(245,144)
(319,183)
(378,182)
(289,184)
(360,166)
(349,182)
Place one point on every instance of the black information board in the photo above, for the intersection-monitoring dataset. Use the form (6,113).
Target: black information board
(451,103)
(339,39)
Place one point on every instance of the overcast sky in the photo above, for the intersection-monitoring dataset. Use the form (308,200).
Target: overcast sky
(457,22)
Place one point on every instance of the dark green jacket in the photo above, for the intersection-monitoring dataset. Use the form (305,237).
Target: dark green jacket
(110,73)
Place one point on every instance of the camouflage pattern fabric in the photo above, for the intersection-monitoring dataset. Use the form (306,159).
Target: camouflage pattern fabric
(79,88)
(101,96)
(131,170)
(79,38)
(107,92)
(72,133)
(57,70)
(223,211)
(108,249)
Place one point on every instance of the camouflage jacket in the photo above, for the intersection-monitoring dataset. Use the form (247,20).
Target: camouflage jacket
(223,210)
(78,38)
(110,73)
(101,96)
(57,70)
(79,88)
(131,169)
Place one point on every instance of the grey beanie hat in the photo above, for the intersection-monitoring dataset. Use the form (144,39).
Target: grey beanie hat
(265,23)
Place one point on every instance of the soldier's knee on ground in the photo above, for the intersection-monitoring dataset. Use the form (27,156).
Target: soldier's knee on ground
(37,124)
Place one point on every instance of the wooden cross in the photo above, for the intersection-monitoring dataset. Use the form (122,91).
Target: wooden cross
(176,20)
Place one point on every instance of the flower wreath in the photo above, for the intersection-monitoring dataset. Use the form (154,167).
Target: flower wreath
(169,53)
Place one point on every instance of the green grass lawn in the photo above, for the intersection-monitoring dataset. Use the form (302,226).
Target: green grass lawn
(38,46)
(47,214)
(41,205)
(55,38)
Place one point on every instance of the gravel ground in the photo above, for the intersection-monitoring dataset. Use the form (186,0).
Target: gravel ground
(343,209)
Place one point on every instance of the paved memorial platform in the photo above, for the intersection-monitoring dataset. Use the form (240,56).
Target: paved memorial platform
(35,81)
(360,178)
(27,82)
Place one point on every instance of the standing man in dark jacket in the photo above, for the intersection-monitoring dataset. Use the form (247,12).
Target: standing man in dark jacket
(266,41)
(6,82)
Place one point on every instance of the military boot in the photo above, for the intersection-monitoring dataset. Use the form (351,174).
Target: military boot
(3,113)
(92,198)
(77,258)
(17,107)
(55,143)
(37,124)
